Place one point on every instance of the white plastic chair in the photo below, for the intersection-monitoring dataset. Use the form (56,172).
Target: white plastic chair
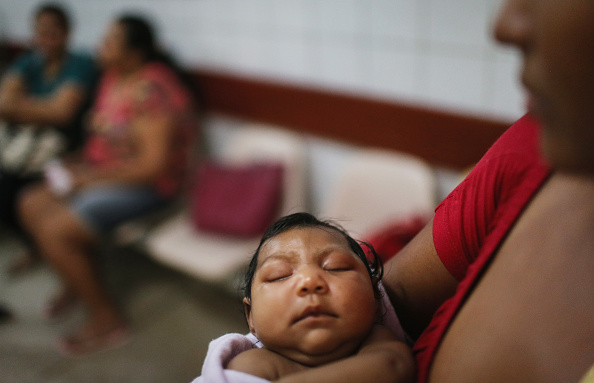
(378,187)
(217,258)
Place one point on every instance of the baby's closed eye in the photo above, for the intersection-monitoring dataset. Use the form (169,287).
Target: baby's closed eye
(337,267)
(276,272)
(338,263)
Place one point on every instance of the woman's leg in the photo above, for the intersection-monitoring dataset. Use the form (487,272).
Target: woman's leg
(34,206)
(65,241)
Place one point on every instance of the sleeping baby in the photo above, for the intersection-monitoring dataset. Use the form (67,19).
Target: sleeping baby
(312,302)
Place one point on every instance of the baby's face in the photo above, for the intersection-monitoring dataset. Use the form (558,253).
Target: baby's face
(312,298)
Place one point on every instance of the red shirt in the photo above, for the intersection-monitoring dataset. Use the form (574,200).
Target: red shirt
(470,224)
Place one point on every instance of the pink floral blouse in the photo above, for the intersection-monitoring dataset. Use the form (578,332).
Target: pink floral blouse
(155,91)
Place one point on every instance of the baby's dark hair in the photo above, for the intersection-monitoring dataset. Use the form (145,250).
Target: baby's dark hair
(374,267)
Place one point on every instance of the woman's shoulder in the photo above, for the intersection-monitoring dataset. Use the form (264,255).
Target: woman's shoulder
(164,79)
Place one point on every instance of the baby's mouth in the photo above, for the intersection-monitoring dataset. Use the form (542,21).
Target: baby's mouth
(314,312)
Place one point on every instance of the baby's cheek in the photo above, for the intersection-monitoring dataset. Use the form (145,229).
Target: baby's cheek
(364,306)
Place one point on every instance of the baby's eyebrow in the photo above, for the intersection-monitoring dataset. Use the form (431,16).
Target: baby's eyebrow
(287,257)
(291,257)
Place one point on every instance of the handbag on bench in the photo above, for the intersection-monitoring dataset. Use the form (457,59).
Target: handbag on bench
(236,200)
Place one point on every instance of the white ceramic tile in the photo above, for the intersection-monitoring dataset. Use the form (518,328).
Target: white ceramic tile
(393,74)
(336,17)
(90,31)
(15,20)
(337,65)
(211,9)
(290,60)
(455,82)
(211,27)
(506,93)
(216,52)
(245,16)
(393,18)
(195,53)
(290,15)
(250,55)
(139,7)
(459,22)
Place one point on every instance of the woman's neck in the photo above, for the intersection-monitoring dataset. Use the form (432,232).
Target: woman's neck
(569,198)
(129,69)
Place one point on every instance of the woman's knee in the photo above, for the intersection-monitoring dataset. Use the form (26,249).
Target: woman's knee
(64,229)
(30,202)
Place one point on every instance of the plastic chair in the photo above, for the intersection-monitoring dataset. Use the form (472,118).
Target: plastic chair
(377,188)
(217,258)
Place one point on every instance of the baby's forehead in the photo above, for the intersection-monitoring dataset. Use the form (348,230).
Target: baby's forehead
(306,236)
(309,238)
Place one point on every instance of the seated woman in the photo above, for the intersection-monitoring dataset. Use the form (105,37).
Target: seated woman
(134,160)
(313,306)
(513,246)
(41,96)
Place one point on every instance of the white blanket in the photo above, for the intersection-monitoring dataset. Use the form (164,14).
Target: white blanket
(220,352)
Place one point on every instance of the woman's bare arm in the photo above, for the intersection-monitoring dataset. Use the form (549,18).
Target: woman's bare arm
(417,282)
(58,109)
(381,358)
(11,89)
(154,135)
(264,364)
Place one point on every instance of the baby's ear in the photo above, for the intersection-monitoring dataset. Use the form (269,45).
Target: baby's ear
(247,307)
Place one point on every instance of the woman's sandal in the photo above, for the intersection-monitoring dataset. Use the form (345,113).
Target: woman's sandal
(80,345)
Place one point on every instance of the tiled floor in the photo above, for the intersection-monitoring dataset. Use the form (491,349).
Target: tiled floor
(172,316)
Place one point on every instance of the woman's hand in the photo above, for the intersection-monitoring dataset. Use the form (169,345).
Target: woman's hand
(82,176)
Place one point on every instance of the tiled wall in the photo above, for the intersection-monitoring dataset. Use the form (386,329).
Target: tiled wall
(432,52)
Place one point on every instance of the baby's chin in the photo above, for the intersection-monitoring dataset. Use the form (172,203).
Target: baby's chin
(320,351)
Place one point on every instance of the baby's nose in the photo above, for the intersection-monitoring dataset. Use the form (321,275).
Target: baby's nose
(312,283)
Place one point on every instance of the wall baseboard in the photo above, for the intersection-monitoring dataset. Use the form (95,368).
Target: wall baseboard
(442,138)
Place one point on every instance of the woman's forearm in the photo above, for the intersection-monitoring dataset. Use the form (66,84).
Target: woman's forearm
(57,110)
(11,89)
(393,363)
(381,358)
